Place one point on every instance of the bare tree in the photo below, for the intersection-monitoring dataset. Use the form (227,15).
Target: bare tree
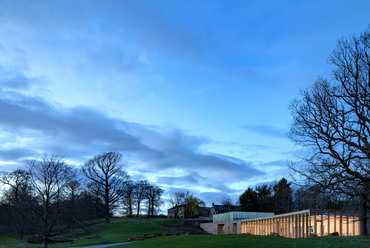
(227,204)
(48,177)
(18,197)
(177,199)
(153,196)
(73,189)
(140,194)
(95,191)
(128,195)
(105,170)
(332,119)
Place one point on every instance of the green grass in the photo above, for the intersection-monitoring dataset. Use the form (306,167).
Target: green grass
(121,229)
(234,241)
(117,231)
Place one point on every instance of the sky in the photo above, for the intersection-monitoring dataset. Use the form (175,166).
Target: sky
(194,94)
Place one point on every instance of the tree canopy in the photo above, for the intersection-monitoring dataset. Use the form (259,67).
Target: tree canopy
(332,120)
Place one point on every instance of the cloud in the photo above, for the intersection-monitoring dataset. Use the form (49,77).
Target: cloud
(277,163)
(16,154)
(31,125)
(266,130)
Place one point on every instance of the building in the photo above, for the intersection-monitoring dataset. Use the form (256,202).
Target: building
(230,223)
(300,224)
(177,211)
(218,209)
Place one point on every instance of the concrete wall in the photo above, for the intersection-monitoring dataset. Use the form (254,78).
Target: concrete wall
(232,227)
(209,227)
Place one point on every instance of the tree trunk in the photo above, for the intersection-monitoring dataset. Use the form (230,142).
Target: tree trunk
(152,208)
(44,244)
(130,209)
(107,221)
(364,215)
(149,205)
(138,208)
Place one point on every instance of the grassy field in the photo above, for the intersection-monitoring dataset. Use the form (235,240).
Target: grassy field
(117,231)
(234,241)
(121,229)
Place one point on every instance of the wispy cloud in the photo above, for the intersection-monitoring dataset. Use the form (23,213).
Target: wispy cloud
(266,130)
(31,125)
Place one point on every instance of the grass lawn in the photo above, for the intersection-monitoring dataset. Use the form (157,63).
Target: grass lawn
(120,229)
(117,231)
(234,241)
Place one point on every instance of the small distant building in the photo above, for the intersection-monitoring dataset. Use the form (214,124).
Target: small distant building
(177,212)
(300,224)
(219,209)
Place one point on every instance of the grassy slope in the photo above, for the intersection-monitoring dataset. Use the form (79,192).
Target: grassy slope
(233,241)
(121,229)
(118,231)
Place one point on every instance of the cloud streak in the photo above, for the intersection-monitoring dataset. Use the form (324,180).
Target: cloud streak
(30,125)
(266,130)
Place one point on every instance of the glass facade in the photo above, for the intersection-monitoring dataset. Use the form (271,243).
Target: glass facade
(304,224)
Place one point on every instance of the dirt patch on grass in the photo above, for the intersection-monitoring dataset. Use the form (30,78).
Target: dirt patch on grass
(186,227)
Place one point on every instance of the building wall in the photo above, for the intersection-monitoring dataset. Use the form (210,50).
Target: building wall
(176,212)
(305,224)
(229,227)
(299,224)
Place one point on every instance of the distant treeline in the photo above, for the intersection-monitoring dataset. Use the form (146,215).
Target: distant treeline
(49,191)
(281,198)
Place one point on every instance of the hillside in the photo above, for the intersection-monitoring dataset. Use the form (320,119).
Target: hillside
(169,233)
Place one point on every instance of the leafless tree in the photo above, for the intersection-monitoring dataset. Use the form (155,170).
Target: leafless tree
(128,195)
(332,119)
(105,170)
(73,189)
(48,177)
(227,204)
(177,199)
(96,192)
(153,196)
(18,197)
(140,193)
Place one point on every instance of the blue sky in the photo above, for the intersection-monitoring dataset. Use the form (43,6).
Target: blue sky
(194,94)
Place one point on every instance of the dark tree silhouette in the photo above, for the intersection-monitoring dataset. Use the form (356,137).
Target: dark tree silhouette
(48,177)
(194,206)
(282,198)
(227,204)
(332,120)
(153,196)
(248,200)
(19,198)
(264,197)
(105,170)
(141,190)
(128,196)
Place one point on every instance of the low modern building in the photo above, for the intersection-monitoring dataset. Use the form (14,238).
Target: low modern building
(300,224)
(230,223)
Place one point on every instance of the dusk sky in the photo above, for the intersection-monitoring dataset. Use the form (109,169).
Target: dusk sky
(194,94)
